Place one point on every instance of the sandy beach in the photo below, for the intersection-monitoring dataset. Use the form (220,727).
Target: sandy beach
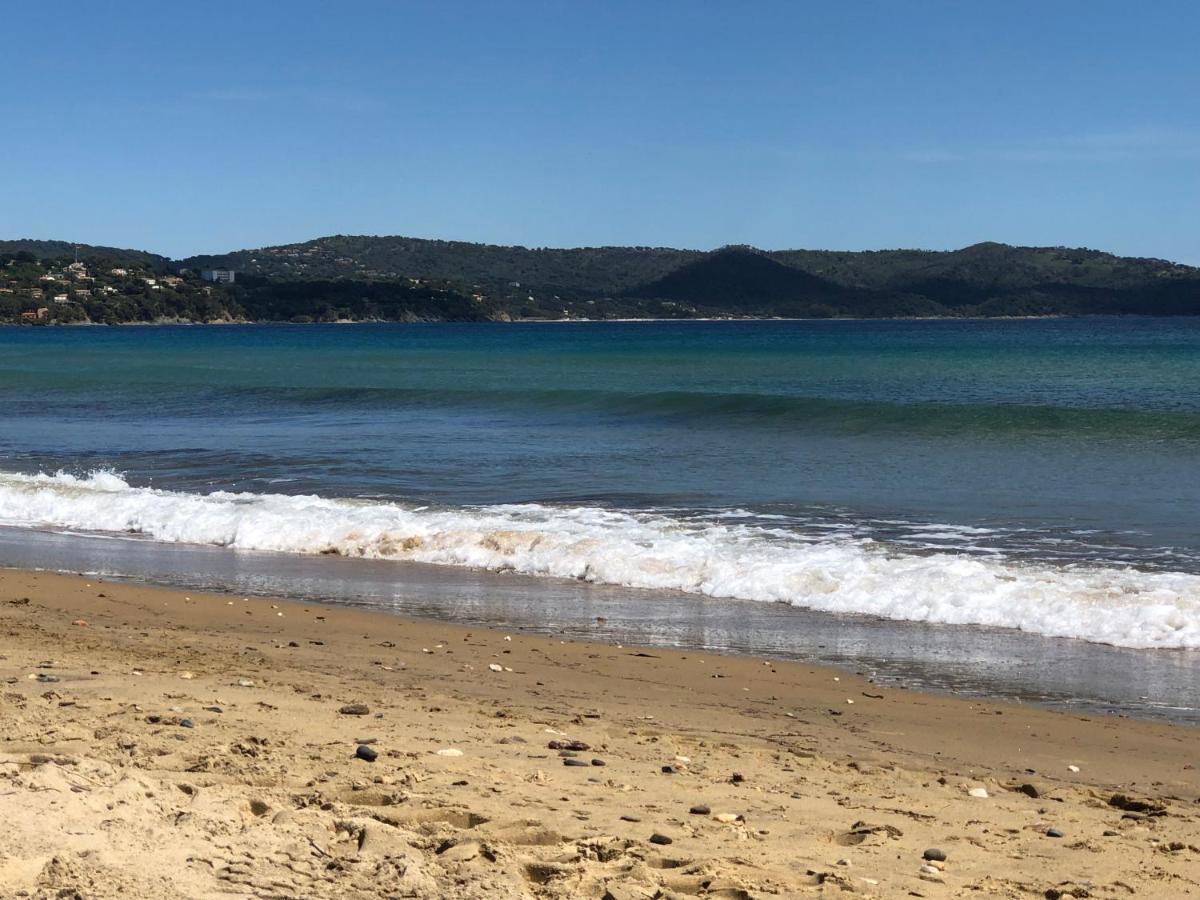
(157,744)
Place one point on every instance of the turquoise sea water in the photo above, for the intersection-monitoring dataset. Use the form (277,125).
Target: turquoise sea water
(1040,475)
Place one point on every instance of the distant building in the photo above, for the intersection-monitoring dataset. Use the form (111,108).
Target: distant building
(224,276)
(118,271)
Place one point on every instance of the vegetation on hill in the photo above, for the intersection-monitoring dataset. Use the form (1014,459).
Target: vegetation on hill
(111,287)
(988,279)
(982,280)
(510,272)
(408,279)
(330,300)
(743,280)
(65,252)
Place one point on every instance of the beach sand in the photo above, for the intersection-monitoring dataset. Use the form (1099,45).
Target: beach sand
(157,744)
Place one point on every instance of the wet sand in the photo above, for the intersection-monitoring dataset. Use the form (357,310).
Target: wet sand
(989,663)
(157,743)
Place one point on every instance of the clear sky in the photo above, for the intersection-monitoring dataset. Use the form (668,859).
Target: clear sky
(189,127)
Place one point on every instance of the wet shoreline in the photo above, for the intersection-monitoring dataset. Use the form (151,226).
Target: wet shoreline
(992,663)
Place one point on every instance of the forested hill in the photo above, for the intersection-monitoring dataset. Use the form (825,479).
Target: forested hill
(983,279)
(64,250)
(580,272)
(398,278)
(609,271)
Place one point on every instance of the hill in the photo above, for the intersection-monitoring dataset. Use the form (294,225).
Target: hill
(581,272)
(398,278)
(744,281)
(111,287)
(986,279)
(65,252)
(990,267)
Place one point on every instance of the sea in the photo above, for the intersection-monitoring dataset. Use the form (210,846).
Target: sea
(1001,508)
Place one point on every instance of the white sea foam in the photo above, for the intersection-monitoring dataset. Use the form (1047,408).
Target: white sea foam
(645,550)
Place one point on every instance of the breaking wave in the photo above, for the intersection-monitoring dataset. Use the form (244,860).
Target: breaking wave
(711,557)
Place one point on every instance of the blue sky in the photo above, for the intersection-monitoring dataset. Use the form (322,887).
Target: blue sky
(201,127)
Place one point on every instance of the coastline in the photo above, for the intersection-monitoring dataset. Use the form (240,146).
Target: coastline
(617,321)
(267,795)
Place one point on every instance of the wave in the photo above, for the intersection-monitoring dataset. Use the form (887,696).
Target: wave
(691,408)
(654,550)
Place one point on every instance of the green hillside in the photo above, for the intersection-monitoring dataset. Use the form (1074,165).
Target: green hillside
(587,271)
(410,279)
(66,252)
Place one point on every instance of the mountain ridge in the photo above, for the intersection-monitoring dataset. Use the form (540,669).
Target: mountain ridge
(316,280)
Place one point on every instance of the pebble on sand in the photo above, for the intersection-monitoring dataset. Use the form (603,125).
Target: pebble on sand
(568,745)
(355,709)
(934,853)
(365,753)
(450,751)
(660,839)
(981,793)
